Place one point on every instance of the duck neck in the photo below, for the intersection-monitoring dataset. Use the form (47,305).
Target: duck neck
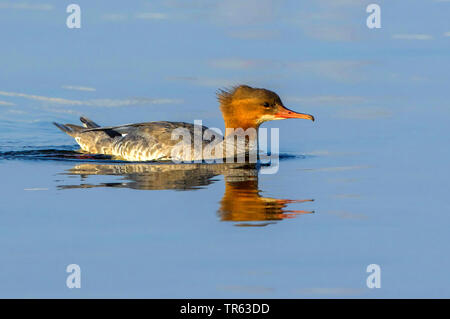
(241,138)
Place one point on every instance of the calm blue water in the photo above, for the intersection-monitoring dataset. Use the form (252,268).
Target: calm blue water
(375,163)
(374,202)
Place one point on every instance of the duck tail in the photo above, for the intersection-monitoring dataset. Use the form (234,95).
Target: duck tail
(72,130)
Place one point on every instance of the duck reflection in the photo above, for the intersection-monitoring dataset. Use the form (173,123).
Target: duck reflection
(241,202)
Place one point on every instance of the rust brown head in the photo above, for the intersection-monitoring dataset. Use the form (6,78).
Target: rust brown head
(245,107)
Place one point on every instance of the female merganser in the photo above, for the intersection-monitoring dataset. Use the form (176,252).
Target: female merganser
(243,108)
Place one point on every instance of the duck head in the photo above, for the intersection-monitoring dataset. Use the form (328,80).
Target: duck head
(246,107)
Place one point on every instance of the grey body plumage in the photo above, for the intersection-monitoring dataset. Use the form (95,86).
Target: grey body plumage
(150,141)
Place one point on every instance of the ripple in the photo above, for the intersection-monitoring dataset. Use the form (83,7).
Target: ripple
(63,153)
(70,153)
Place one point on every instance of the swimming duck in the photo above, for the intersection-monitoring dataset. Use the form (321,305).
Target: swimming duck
(243,108)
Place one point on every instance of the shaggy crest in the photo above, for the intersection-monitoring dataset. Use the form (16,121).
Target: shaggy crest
(225,95)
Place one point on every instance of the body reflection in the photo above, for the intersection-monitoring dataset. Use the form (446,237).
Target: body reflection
(240,203)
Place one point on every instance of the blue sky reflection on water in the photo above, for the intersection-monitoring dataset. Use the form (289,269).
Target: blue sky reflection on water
(375,161)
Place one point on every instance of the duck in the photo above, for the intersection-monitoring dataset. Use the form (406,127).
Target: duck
(244,109)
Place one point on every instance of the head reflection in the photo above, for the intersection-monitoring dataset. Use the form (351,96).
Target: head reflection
(241,202)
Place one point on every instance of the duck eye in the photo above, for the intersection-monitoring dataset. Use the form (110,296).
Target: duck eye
(266,104)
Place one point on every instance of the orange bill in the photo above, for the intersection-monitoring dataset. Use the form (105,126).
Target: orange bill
(285,113)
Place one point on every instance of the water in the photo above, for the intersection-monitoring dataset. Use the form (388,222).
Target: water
(148,230)
(367,183)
